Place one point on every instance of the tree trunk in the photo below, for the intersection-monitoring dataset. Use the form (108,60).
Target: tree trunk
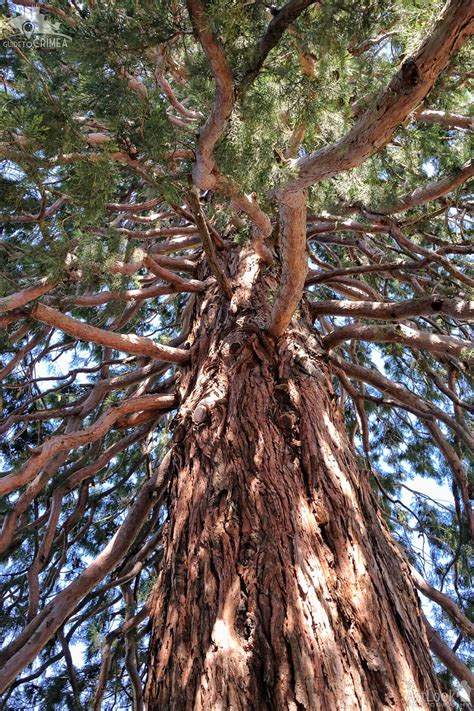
(281,587)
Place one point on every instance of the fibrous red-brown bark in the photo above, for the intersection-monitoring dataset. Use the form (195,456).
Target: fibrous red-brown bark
(280,587)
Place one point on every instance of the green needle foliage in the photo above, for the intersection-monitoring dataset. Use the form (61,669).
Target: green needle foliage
(88,123)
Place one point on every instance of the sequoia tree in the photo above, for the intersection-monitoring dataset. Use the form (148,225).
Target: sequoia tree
(235,326)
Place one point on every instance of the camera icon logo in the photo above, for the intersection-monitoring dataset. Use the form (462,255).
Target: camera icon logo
(28,28)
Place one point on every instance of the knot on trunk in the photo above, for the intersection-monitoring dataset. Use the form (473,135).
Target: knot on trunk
(199,414)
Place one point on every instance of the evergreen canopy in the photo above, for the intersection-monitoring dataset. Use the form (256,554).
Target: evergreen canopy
(331,136)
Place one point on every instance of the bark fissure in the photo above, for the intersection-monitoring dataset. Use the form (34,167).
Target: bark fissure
(280,586)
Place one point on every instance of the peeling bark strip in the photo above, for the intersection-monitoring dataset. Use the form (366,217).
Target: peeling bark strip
(138,345)
(280,586)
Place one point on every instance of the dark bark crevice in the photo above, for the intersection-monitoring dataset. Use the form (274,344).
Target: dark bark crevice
(281,587)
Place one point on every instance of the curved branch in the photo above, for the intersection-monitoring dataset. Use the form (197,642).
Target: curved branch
(371,132)
(411,247)
(206,175)
(371,42)
(318,277)
(450,607)
(65,442)
(45,7)
(247,204)
(431,191)
(413,403)
(157,268)
(138,345)
(209,134)
(32,343)
(43,214)
(44,626)
(424,340)
(72,479)
(42,555)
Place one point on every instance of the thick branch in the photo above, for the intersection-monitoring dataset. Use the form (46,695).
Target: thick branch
(206,175)
(320,224)
(150,292)
(212,130)
(133,207)
(294,262)
(166,87)
(423,340)
(177,244)
(396,311)
(431,191)
(444,118)
(20,298)
(441,650)
(151,234)
(373,130)
(138,345)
